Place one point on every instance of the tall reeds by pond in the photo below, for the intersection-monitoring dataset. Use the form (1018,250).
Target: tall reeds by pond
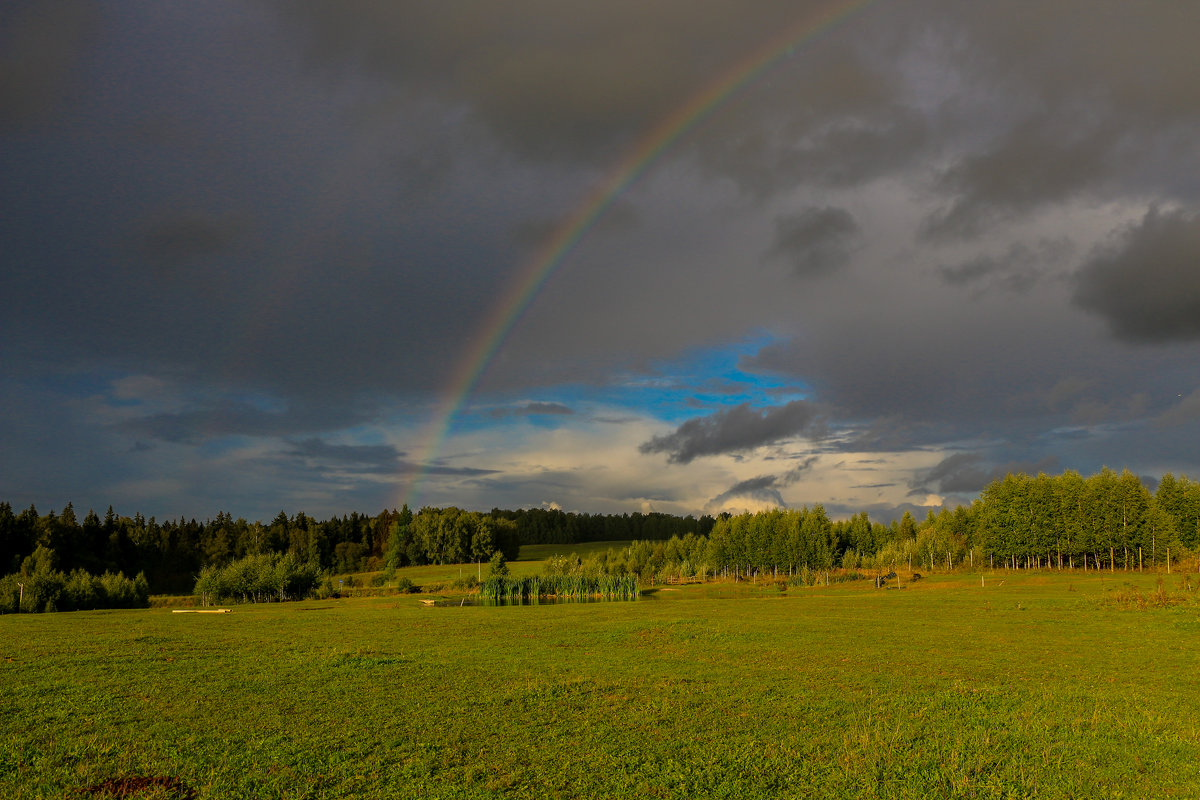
(606,587)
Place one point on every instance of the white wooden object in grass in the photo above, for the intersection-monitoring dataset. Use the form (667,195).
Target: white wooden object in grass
(200,611)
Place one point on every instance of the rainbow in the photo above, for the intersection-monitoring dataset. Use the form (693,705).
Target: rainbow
(522,290)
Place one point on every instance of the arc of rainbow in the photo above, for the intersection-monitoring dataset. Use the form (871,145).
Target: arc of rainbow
(529,281)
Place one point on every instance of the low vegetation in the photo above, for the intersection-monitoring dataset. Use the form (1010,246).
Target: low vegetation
(607,587)
(1022,684)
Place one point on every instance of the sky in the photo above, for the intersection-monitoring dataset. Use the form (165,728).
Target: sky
(684,256)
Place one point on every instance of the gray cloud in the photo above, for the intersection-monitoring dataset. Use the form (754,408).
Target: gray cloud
(1184,412)
(532,410)
(383,457)
(549,80)
(763,488)
(969,473)
(1147,284)
(1032,166)
(1018,269)
(231,417)
(172,239)
(815,241)
(369,459)
(735,429)
(41,46)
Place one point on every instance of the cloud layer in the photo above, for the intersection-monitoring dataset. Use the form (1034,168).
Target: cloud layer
(254,251)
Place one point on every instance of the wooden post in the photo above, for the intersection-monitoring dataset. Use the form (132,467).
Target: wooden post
(1168,561)
(21,597)
(1139,559)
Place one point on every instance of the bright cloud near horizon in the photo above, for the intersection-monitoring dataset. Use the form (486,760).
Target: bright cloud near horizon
(255,253)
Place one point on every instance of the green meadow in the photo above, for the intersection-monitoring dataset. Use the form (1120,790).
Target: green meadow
(1032,685)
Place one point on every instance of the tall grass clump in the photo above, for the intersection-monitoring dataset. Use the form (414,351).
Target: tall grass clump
(607,587)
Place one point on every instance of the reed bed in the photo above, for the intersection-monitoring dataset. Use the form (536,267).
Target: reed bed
(606,587)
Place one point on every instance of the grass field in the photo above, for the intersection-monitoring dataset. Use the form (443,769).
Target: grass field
(1037,685)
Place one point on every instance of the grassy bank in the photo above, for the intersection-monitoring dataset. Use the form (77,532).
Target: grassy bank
(1031,686)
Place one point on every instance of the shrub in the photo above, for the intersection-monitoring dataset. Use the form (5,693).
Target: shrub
(498,566)
(258,578)
(51,590)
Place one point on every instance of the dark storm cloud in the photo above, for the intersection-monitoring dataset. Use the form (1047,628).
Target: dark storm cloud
(42,45)
(172,239)
(1033,166)
(319,204)
(1018,269)
(735,429)
(1098,100)
(844,123)
(548,79)
(815,241)
(1147,284)
(618,216)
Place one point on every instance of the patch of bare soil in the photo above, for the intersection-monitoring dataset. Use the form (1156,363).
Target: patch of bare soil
(135,785)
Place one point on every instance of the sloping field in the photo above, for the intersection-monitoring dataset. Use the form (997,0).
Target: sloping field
(1031,686)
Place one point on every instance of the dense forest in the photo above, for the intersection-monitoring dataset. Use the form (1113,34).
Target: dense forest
(171,553)
(1108,520)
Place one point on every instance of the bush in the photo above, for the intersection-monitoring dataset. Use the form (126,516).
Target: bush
(326,590)
(498,566)
(259,578)
(406,585)
(51,590)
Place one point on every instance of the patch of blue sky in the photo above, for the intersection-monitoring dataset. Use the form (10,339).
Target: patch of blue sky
(698,382)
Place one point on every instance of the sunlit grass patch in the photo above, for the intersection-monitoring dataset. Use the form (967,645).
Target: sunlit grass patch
(699,690)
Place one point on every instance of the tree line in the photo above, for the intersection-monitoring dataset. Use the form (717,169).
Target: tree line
(172,553)
(1106,521)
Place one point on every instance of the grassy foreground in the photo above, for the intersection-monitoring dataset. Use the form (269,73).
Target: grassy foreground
(1033,686)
